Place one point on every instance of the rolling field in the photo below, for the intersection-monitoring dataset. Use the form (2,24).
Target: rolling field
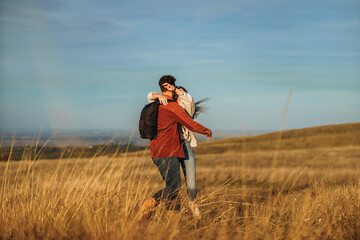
(296,184)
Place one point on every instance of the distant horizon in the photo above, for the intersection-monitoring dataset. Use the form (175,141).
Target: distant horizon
(110,129)
(136,130)
(92,137)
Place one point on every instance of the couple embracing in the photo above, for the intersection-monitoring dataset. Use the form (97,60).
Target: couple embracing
(174,142)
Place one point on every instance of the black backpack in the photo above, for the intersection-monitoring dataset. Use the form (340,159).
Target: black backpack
(148,120)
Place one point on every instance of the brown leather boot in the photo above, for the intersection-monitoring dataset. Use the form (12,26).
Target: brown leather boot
(146,208)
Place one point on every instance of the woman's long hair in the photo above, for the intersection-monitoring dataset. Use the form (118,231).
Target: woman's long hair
(198,109)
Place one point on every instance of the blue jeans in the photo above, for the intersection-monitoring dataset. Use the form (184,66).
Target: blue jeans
(169,168)
(188,167)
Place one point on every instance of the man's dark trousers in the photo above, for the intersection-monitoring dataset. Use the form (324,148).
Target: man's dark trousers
(169,168)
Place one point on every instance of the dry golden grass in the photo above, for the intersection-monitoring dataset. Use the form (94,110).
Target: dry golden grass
(304,194)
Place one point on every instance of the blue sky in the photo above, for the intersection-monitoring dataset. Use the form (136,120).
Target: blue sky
(89,64)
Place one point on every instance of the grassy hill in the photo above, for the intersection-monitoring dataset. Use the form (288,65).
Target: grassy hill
(310,191)
(315,137)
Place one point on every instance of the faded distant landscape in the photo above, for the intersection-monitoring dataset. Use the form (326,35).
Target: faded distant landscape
(91,137)
(80,143)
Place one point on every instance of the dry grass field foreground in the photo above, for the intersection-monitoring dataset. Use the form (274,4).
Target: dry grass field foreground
(308,193)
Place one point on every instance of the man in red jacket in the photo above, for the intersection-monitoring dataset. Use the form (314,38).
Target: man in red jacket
(166,148)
